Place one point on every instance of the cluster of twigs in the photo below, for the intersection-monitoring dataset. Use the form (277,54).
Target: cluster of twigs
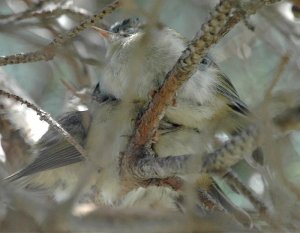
(134,167)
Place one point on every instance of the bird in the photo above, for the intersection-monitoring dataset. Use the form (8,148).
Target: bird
(57,164)
(138,58)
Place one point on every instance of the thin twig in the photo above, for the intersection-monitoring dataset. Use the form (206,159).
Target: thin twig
(232,179)
(47,118)
(58,11)
(268,93)
(283,62)
(48,52)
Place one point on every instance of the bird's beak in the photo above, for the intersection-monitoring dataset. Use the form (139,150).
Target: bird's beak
(107,35)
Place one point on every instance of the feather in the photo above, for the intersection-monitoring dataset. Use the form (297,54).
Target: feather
(54,150)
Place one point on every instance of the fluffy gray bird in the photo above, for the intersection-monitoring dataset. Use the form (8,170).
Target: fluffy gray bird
(53,152)
(138,59)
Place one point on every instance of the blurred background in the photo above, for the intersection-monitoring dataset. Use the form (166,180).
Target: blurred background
(250,55)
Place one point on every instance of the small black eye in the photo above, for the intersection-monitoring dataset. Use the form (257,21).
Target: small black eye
(205,61)
(126,27)
(126,22)
(124,34)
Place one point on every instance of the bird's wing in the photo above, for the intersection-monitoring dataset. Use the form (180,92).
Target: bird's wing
(50,158)
(225,88)
(55,150)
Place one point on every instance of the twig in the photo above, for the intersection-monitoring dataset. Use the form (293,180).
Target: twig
(48,52)
(284,61)
(232,179)
(47,118)
(58,11)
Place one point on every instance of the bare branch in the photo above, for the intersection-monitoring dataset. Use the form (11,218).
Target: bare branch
(232,179)
(284,61)
(49,51)
(46,117)
(54,13)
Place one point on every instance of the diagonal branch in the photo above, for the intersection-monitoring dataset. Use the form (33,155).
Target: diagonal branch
(48,52)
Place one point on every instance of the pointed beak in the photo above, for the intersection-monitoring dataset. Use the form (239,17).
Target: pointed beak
(103,33)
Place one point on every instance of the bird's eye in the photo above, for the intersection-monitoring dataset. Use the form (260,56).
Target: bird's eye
(124,34)
(205,63)
(126,27)
(126,22)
